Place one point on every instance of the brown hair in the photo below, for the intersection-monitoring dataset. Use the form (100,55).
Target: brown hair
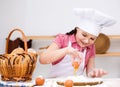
(74,31)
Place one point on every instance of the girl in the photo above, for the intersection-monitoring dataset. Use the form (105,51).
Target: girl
(77,45)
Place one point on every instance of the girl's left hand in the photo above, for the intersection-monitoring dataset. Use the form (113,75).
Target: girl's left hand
(97,73)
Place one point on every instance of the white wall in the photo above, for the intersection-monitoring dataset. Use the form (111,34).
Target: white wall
(48,17)
(57,16)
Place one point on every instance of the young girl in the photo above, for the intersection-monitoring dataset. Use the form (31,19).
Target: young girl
(77,45)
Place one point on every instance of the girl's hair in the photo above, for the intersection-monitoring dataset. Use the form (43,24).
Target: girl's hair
(74,31)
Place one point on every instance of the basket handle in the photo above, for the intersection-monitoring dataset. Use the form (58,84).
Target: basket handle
(23,36)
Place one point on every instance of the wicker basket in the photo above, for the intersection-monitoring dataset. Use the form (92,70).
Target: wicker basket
(19,64)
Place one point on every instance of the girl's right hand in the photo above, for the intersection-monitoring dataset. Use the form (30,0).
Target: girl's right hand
(75,54)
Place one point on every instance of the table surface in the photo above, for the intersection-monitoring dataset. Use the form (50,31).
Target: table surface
(107,82)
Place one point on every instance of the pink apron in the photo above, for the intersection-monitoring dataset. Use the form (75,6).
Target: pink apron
(64,67)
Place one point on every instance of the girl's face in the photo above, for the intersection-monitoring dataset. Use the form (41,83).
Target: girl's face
(84,39)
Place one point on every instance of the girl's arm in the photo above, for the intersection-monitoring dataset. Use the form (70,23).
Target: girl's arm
(52,54)
(90,66)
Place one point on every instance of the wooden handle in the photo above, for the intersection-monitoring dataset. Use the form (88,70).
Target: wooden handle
(23,36)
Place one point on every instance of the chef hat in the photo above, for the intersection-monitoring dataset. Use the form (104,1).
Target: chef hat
(92,21)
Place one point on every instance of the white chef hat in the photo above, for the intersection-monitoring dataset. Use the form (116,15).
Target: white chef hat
(92,21)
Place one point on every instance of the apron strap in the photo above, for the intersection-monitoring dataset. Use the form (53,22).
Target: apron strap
(69,44)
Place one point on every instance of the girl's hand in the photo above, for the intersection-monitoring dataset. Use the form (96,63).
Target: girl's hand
(97,73)
(75,54)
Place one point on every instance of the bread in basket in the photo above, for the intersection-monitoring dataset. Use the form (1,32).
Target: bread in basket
(19,64)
